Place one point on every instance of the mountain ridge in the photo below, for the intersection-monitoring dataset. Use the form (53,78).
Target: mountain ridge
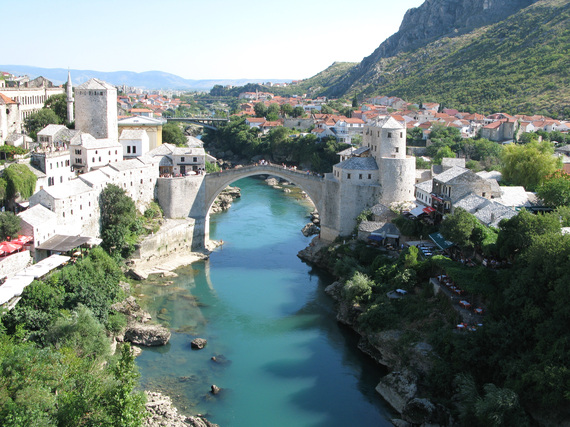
(146,80)
(519,64)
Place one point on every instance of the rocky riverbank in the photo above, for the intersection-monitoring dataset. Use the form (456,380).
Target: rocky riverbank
(225,199)
(400,387)
(163,413)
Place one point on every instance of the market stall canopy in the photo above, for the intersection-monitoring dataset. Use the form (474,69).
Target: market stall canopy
(62,243)
(428,210)
(44,266)
(440,241)
(10,247)
(417,211)
(23,240)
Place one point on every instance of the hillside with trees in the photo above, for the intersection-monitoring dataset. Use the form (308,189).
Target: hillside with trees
(517,65)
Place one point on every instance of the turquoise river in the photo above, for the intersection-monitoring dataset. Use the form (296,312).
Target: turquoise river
(282,358)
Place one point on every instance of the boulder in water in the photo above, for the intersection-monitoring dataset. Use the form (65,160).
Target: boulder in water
(198,343)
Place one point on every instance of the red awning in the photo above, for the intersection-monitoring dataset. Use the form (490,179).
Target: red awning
(10,247)
(23,240)
(428,210)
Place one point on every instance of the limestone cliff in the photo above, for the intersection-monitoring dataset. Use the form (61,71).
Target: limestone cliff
(433,20)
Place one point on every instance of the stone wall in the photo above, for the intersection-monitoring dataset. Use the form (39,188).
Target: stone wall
(12,264)
(175,236)
(181,197)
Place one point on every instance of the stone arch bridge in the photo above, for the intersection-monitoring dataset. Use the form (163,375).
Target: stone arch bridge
(193,196)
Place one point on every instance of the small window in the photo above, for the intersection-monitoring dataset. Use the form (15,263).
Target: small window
(93,159)
(99,158)
(397,149)
(182,159)
(369,176)
(128,149)
(401,134)
(359,176)
(134,149)
(347,176)
(389,134)
(195,159)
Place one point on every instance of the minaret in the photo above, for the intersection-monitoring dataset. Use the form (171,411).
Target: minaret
(69,92)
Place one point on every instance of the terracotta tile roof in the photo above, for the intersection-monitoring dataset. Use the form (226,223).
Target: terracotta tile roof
(6,99)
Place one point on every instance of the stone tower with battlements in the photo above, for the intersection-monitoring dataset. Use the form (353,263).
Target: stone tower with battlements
(397,171)
(96,109)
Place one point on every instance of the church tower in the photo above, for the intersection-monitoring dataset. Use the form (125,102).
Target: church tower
(96,109)
(69,91)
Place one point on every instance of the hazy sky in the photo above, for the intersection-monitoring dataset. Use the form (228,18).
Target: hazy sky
(293,39)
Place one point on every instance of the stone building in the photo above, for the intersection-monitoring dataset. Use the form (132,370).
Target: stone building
(40,223)
(10,121)
(55,165)
(135,143)
(30,96)
(76,205)
(151,125)
(88,153)
(96,109)
(455,183)
(380,172)
(180,160)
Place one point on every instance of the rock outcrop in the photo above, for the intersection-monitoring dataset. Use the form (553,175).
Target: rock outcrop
(225,199)
(310,230)
(398,388)
(147,335)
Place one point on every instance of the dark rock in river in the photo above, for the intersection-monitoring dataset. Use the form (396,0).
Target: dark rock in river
(198,343)
(310,230)
(215,389)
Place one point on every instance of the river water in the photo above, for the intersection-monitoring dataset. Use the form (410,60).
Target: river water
(282,359)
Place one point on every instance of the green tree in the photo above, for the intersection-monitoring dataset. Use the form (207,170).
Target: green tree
(20,181)
(529,164)
(126,404)
(260,109)
(172,134)
(37,121)
(58,103)
(554,191)
(441,153)
(459,228)
(118,214)
(298,111)
(286,109)
(9,225)
(518,233)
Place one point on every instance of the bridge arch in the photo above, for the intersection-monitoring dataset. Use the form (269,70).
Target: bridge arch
(216,182)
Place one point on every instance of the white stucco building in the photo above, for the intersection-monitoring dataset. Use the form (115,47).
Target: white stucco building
(135,143)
